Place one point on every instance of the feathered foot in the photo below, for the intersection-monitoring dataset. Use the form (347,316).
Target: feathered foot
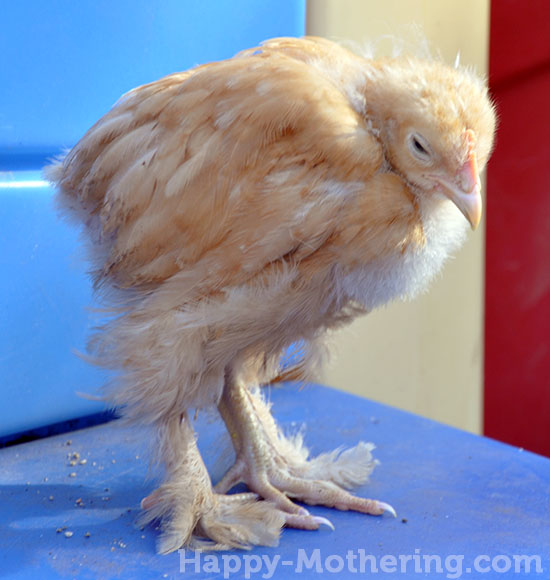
(192,514)
(277,467)
(216,522)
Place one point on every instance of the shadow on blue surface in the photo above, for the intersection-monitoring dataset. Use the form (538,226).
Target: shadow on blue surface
(60,428)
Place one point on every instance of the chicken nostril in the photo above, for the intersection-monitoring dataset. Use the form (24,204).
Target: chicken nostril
(468,184)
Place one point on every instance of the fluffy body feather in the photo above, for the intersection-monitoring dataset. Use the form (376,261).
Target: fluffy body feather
(242,206)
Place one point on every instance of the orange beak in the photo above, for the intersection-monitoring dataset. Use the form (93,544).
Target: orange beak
(465,190)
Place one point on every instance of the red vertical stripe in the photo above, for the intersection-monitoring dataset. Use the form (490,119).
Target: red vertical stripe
(517,330)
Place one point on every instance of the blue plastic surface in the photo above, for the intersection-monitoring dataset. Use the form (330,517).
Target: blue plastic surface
(43,316)
(467,502)
(64,63)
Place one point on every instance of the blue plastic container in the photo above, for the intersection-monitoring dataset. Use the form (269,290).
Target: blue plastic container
(62,65)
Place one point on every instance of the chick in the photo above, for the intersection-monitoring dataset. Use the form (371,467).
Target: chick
(244,206)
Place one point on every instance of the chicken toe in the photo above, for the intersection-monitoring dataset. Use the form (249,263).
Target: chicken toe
(191,514)
(277,468)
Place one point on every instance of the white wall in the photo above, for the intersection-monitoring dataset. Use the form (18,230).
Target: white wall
(425,356)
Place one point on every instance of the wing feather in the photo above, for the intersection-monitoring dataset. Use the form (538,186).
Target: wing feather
(223,170)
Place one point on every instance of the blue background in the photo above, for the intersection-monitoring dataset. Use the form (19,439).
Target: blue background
(62,65)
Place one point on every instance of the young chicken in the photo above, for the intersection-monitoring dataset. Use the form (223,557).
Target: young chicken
(247,205)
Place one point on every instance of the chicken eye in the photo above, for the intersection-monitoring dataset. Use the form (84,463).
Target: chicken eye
(419,148)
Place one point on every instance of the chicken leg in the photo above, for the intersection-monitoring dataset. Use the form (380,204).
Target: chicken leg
(277,467)
(191,513)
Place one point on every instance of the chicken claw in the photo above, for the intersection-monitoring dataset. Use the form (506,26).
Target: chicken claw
(277,468)
(191,514)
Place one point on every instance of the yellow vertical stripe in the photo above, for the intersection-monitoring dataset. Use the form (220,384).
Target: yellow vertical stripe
(425,356)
